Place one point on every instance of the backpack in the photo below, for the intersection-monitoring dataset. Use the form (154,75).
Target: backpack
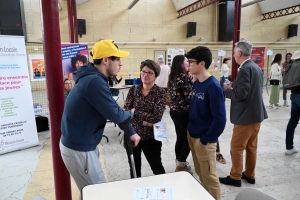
(291,77)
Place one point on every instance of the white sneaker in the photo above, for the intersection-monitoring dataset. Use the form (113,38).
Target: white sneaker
(277,105)
(291,151)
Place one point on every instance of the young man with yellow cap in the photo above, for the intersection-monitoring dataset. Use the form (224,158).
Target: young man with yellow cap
(87,109)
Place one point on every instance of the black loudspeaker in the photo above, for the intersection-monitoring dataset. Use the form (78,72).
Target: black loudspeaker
(81,27)
(191,29)
(12,20)
(293,30)
(226,20)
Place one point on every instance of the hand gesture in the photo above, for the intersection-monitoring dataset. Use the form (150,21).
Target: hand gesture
(225,86)
(135,138)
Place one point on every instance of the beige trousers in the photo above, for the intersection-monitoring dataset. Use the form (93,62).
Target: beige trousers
(244,137)
(204,158)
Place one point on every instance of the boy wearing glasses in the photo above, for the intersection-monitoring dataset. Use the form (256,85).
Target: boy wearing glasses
(207,119)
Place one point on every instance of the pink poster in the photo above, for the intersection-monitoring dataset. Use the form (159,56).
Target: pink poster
(258,56)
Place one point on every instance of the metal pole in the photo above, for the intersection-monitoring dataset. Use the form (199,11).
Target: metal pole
(71,23)
(267,76)
(75,21)
(53,63)
(236,35)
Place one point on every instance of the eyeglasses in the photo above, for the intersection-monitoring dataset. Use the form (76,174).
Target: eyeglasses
(68,83)
(144,73)
(191,61)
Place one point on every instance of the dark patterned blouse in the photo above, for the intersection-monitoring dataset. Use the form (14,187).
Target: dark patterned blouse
(180,91)
(148,108)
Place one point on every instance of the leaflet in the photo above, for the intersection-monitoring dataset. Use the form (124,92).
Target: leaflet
(160,132)
(152,193)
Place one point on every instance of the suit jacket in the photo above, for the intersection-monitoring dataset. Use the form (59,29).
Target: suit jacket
(247,106)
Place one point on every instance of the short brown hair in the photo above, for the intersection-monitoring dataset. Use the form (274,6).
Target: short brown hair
(152,65)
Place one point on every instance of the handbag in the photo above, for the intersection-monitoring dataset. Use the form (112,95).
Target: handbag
(274,82)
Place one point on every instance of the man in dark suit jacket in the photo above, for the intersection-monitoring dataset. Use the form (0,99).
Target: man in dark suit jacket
(246,113)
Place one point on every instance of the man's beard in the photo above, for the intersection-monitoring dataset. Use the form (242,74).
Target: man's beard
(110,70)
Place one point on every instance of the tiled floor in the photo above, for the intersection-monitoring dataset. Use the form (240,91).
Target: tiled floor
(28,173)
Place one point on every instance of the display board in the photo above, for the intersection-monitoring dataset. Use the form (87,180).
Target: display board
(258,56)
(17,120)
(37,67)
(73,57)
(171,53)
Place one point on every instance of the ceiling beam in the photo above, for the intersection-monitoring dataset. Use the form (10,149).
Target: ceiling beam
(194,7)
(132,4)
(251,3)
(281,12)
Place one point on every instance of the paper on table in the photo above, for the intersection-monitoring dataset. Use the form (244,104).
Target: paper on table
(152,193)
(160,132)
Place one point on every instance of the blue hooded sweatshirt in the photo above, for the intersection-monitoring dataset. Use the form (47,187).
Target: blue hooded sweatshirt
(87,109)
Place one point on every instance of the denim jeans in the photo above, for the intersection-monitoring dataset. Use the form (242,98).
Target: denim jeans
(295,116)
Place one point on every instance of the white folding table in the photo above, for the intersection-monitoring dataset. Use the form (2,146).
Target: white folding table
(183,184)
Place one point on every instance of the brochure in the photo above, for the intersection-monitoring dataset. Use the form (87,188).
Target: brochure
(160,132)
(152,193)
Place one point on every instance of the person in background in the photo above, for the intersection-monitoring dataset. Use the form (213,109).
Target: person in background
(219,156)
(162,79)
(224,71)
(92,104)
(112,81)
(148,101)
(284,65)
(275,74)
(78,61)
(67,87)
(295,115)
(180,87)
(247,111)
(207,119)
(224,75)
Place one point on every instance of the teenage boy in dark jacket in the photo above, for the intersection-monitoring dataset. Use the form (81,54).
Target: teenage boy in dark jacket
(88,107)
(207,119)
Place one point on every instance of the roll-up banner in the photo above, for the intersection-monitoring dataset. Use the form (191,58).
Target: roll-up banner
(17,120)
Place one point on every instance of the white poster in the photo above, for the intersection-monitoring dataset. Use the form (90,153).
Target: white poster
(270,52)
(221,53)
(17,120)
(171,53)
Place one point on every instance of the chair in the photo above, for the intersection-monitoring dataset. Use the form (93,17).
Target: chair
(253,194)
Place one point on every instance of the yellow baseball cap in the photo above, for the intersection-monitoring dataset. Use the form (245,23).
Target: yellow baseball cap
(107,48)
